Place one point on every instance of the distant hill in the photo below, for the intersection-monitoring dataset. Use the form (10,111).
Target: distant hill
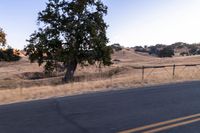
(176,49)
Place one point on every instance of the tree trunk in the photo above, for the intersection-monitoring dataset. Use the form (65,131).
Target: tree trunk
(71,68)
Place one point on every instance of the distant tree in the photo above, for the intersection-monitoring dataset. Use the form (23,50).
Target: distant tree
(140,49)
(160,46)
(6,52)
(9,55)
(73,32)
(193,50)
(179,45)
(192,46)
(116,47)
(166,52)
(153,50)
(2,37)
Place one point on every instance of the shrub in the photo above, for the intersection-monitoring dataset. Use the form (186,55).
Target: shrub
(9,55)
(116,47)
(140,49)
(166,52)
(154,51)
(193,50)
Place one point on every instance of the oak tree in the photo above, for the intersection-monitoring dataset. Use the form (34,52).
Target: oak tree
(70,32)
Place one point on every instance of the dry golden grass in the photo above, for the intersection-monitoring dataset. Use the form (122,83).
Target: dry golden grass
(22,81)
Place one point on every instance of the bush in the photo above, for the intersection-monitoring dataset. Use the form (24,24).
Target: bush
(9,55)
(141,49)
(166,52)
(116,47)
(193,51)
(154,51)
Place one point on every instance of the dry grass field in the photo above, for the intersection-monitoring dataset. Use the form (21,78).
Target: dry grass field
(22,81)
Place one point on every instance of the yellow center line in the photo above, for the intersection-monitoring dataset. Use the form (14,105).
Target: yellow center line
(159,124)
(173,126)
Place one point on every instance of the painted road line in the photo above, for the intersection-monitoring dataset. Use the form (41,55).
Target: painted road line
(160,124)
(172,126)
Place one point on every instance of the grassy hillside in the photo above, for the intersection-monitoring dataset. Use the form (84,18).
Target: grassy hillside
(21,80)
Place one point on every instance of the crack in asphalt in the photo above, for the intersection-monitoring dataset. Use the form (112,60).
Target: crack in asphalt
(66,117)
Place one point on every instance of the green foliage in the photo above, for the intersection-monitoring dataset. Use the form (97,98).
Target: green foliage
(161,50)
(2,37)
(141,49)
(179,45)
(9,55)
(166,52)
(153,50)
(116,47)
(193,51)
(72,32)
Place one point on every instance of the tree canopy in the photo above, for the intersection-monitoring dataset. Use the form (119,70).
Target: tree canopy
(71,32)
(2,37)
(166,52)
(6,52)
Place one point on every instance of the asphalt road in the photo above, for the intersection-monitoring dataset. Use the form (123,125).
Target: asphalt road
(171,108)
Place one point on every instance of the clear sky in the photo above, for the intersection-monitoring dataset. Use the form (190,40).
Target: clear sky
(131,22)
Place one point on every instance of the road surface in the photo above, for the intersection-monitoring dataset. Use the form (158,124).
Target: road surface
(171,108)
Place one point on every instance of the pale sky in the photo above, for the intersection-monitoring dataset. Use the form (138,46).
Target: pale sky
(131,22)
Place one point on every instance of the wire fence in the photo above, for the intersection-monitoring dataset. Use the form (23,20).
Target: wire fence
(127,76)
(171,70)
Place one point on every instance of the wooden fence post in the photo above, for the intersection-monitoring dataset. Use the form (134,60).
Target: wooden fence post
(142,72)
(174,68)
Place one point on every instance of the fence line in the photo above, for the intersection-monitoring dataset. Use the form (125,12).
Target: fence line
(164,66)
